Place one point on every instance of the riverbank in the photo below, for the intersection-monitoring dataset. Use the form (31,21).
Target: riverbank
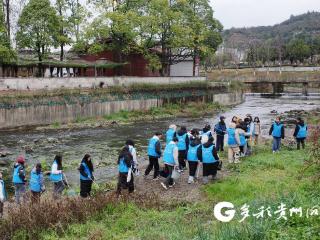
(168,111)
(263,179)
(34,108)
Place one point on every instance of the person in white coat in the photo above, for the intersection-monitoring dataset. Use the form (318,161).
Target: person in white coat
(3,195)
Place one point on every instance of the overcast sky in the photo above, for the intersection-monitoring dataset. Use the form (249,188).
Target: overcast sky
(248,13)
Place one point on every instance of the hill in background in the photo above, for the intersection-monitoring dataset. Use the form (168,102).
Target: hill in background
(305,26)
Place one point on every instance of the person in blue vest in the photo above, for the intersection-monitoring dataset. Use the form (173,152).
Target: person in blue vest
(277,132)
(183,144)
(221,129)
(36,183)
(170,159)
(241,131)
(86,176)
(233,143)
(207,154)
(19,179)
(171,133)
(300,133)
(57,177)
(154,153)
(3,195)
(192,157)
(133,151)
(125,179)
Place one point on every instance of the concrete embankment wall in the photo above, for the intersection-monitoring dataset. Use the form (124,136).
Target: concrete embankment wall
(64,109)
(87,82)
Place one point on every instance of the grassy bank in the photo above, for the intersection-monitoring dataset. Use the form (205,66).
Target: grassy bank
(234,74)
(8,96)
(264,179)
(191,109)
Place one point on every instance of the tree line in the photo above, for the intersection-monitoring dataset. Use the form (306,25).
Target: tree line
(165,32)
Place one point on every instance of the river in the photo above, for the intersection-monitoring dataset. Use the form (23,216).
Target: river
(104,143)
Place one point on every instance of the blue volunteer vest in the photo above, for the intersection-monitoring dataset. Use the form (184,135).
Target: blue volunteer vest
(207,156)
(192,153)
(87,171)
(168,154)
(35,179)
(242,140)
(231,136)
(169,135)
(2,185)
(15,178)
(182,142)
(56,177)
(152,148)
(302,133)
(277,130)
(123,168)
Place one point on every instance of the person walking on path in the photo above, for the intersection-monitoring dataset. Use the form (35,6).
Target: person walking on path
(36,183)
(170,159)
(125,179)
(133,151)
(300,133)
(220,129)
(57,177)
(86,176)
(233,144)
(207,154)
(19,179)
(192,158)
(277,132)
(154,153)
(183,144)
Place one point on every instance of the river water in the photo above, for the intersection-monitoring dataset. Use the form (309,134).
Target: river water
(104,143)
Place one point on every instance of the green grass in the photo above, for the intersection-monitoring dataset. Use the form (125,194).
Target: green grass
(191,109)
(263,179)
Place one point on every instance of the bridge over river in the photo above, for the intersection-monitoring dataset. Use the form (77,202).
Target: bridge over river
(259,84)
(268,82)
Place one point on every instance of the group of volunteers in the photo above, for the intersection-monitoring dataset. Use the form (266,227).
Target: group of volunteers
(195,147)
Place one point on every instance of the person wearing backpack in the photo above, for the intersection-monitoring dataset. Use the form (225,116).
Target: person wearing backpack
(300,133)
(19,179)
(36,183)
(86,176)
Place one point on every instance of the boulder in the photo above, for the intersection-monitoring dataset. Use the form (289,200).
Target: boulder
(5,153)
(28,149)
(52,140)
(4,162)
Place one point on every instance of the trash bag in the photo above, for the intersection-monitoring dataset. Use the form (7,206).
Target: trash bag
(175,174)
